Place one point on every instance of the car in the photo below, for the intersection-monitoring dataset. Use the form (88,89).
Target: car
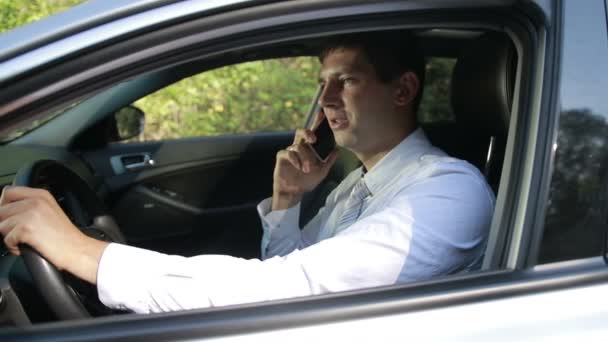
(120,109)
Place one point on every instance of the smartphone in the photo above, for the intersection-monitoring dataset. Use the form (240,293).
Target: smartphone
(325,140)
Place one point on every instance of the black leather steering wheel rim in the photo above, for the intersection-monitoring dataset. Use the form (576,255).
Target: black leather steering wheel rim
(62,300)
(49,282)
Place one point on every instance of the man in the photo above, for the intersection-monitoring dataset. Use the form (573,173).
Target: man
(409,213)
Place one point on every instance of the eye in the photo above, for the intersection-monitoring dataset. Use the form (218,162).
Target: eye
(348,80)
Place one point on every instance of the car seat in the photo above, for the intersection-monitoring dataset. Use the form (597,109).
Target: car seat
(481,96)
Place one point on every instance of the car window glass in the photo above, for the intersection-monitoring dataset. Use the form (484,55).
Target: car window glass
(260,96)
(576,214)
(34,122)
(435,104)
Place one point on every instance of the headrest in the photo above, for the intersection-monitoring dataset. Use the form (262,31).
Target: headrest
(482,84)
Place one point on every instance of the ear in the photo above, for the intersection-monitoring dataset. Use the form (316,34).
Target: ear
(407,87)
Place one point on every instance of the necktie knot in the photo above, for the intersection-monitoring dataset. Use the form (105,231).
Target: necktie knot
(359,192)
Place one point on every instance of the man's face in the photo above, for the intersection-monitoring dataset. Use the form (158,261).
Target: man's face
(359,107)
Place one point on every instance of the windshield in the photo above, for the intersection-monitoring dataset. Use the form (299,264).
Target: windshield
(31,124)
(17,13)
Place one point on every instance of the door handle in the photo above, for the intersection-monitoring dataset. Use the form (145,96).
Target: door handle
(131,162)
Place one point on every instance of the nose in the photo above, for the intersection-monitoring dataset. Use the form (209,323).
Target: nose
(330,95)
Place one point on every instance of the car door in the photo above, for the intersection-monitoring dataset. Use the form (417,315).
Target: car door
(190,182)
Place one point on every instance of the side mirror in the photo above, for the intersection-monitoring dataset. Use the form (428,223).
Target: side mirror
(130,122)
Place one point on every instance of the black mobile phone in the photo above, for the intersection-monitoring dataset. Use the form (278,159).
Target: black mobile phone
(325,142)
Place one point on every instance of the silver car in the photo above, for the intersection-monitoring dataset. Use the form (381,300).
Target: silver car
(133,114)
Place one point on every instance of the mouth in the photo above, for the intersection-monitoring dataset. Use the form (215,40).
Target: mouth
(338,123)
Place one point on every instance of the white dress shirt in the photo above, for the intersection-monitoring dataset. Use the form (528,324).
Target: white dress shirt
(428,215)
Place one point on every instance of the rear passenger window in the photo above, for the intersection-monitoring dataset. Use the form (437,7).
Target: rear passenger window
(260,96)
(576,216)
(435,105)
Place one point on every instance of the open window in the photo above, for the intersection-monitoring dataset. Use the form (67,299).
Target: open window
(466,110)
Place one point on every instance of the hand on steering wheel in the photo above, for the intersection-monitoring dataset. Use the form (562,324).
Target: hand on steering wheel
(32,217)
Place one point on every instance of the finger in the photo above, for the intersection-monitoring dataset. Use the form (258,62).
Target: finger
(29,197)
(291,157)
(3,197)
(318,118)
(14,250)
(6,226)
(41,194)
(13,234)
(307,157)
(12,193)
(304,135)
(18,193)
(12,247)
(12,209)
(331,159)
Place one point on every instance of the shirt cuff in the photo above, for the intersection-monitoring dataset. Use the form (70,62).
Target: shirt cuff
(274,219)
(277,225)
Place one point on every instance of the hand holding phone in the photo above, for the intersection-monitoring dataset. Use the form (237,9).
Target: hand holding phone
(296,171)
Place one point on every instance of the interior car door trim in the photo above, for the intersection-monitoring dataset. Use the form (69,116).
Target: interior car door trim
(190,208)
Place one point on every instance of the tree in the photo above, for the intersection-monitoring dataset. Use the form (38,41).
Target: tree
(576,212)
(260,96)
(14,13)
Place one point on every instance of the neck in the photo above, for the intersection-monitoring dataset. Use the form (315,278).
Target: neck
(369,161)
(371,158)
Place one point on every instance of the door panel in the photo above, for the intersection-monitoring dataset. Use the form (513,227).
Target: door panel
(197,195)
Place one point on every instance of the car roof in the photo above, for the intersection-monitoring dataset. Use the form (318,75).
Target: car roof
(86,17)
(75,19)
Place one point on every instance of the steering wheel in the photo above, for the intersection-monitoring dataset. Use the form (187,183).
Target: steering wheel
(67,296)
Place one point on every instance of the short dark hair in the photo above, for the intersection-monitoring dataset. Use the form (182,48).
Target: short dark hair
(391,53)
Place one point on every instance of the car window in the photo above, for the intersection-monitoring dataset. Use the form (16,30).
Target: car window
(260,96)
(33,123)
(435,104)
(577,210)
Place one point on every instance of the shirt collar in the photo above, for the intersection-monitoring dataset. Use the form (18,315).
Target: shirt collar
(405,153)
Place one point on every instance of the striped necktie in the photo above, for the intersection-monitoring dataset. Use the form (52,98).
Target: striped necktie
(353,206)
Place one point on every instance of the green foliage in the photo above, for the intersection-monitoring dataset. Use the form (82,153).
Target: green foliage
(260,96)
(15,13)
(435,105)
